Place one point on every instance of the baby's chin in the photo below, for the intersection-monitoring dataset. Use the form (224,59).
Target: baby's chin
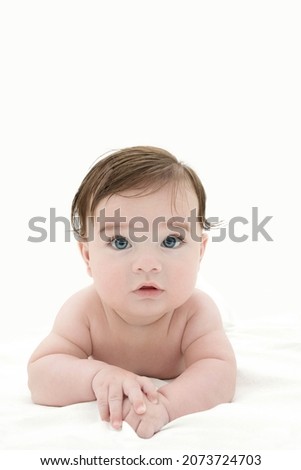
(145,308)
(143,317)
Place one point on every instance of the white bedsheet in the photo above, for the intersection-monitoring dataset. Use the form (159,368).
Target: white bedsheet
(265,414)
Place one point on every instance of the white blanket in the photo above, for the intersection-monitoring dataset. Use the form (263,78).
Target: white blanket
(265,414)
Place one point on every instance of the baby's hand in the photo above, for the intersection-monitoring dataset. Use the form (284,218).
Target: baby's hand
(112,384)
(150,422)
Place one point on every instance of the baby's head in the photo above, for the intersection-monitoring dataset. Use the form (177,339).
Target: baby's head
(143,169)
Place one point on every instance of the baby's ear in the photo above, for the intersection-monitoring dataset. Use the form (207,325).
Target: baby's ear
(84,249)
(203,244)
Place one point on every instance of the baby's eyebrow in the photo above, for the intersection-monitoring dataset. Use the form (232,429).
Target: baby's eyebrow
(112,226)
(178,223)
(142,225)
(184,225)
(170,223)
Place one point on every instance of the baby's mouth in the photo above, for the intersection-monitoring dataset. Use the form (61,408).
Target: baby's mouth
(148,290)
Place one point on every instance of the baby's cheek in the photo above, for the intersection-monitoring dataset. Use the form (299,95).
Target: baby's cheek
(186,277)
(110,284)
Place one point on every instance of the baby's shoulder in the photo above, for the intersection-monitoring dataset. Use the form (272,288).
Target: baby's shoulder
(82,304)
(203,317)
(201,312)
(201,304)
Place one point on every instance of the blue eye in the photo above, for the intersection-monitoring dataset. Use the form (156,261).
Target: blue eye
(172,241)
(119,243)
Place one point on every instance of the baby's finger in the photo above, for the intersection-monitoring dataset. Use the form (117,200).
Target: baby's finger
(135,395)
(103,405)
(132,418)
(145,429)
(149,389)
(115,399)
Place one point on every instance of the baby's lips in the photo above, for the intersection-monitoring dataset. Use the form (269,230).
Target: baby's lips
(148,285)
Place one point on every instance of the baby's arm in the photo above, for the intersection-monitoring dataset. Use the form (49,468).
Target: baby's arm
(210,374)
(61,372)
(208,379)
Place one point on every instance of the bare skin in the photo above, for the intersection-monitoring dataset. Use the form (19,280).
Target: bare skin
(69,366)
(141,318)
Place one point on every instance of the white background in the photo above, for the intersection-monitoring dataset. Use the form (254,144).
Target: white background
(216,83)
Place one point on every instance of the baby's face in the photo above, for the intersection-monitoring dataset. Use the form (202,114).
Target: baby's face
(143,262)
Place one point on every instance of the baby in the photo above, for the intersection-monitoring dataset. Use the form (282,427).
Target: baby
(139,218)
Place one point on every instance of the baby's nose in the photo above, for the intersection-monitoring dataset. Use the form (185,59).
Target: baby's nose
(146,263)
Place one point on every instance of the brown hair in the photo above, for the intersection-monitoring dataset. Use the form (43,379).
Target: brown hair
(141,168)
